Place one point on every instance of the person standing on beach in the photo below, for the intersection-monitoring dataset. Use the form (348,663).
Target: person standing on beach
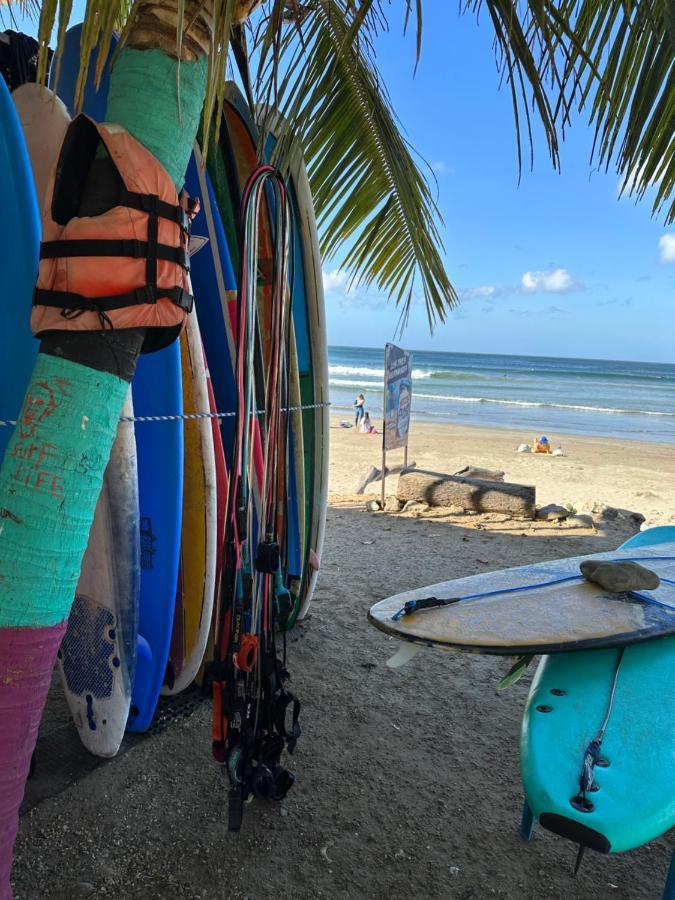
(359,406)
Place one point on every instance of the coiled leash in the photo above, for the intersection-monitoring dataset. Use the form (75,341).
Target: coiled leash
(255,717)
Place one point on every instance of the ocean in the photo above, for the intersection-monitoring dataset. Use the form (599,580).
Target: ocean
(540,395)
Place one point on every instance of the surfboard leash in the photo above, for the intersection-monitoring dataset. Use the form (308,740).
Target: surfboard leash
(425,603)
(255,717)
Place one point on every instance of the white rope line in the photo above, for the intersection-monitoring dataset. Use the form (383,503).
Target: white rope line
(203,415)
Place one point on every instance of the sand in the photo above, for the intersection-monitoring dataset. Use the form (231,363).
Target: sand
(408,781)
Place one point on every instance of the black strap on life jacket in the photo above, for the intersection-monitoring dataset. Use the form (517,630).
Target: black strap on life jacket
(70,194)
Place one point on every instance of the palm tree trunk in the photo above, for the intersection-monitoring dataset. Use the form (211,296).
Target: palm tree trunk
(53,468)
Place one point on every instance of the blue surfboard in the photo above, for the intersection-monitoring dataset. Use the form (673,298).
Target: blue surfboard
(630,798)
(157,390)
(20,249)
(95,100)
(214,285)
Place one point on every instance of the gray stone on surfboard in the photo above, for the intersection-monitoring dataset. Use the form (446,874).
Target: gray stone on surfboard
(545,608)
(619,576)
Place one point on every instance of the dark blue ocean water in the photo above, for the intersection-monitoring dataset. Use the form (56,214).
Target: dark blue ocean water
(538,394)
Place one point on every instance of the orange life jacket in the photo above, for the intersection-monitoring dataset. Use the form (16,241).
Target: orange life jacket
(115,240)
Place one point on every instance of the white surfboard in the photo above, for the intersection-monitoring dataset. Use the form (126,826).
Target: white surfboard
(44,121)
(98,653)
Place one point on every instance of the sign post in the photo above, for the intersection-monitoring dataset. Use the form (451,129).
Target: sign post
(396,407)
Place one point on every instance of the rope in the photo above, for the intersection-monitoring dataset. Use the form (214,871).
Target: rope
(201,415)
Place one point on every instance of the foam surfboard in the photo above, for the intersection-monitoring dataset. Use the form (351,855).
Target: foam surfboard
(63,76)
(157,391)
(632,799)
(196,584)
(316,420)
(97,657)
(44,121)
(544,608)
(215,290)
(20,243)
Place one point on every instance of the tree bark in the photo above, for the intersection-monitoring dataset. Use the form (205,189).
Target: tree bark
(438,489)
(52,472)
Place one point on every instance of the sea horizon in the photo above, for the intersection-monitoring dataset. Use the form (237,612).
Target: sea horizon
(627,399)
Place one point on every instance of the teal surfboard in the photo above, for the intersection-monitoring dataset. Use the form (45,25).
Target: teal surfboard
(20,243)
(608,789)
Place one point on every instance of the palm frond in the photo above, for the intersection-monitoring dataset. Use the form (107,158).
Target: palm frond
(631,43)
(373,204)
(316,65)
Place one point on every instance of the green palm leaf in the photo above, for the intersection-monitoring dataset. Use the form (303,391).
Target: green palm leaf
(631,43)
(375,206)
(373,203)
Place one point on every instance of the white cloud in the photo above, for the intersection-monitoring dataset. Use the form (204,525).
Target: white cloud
(335,281)
(667,248)
(484,292)
(556,281)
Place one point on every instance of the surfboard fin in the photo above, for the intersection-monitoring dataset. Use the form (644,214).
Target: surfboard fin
(580,856)
(403,655)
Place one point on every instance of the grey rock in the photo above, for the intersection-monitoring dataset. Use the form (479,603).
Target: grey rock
(393,504)
(552,512)
(618,576)
(373,505)
(581,520)
(416,506)
(612,513)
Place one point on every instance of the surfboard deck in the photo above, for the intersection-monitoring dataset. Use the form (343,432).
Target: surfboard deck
(558,618)
(635,776)
(97,657)
(635,800)
(20,243)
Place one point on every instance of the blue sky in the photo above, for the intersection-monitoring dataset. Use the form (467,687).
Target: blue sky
(555,265)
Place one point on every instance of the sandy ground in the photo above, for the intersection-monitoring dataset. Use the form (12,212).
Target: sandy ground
(408,781)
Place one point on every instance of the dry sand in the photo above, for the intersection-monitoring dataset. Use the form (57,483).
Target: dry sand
(408,781)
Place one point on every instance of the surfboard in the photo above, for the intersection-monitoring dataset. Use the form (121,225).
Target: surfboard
(20,243)
(44,122)
(318,349)
(543,608)
(239,140)
(632,795)
(63,76)
(215,290)
(197,579)
(97,657)
(310,333)
(157,391)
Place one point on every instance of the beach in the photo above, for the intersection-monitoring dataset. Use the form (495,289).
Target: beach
(408,780)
